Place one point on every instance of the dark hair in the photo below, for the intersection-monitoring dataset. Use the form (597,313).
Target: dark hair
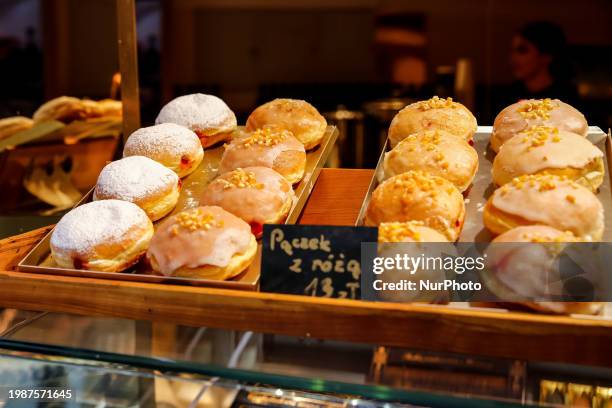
(550,39)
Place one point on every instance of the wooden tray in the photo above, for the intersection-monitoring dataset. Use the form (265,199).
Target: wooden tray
(39,260)
(335,200)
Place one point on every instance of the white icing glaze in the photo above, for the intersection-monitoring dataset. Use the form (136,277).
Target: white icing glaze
(104,222)
(198,112)
(200,247)
(163,142)
(133,179)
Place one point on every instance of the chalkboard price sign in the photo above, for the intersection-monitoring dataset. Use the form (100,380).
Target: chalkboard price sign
(313,260)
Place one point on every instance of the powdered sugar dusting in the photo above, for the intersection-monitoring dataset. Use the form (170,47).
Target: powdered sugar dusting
(165,139)
(134,178)
(198,112)
(95,223)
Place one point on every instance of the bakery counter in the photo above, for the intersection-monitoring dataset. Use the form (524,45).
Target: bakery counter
(336,199)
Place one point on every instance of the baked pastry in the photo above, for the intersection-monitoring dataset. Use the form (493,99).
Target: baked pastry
(174,146)
(141,181)
(536,112)
(550,200)
(103,108)
(523,266)
(434,113)
(409,231)
(297,116)
(64,109)
(415,195)
(435,152)
(107,235)
(208,116)
(202,243)
(548,150)
(13,125)
(267,147)
(258,195)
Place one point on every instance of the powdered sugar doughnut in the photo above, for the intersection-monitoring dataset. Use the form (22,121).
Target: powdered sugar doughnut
(107,235)
(258,195)
(141,181)
(208,116)
(174,146)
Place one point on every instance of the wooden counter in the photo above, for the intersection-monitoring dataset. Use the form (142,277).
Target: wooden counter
(335,200)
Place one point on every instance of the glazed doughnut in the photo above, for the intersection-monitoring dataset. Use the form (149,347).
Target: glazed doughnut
(141,181)
(548,150)
(536,112)
(208,116)
(174,146)
(550,200)
(415,195)
(435,152)
(107,235)
(529,280)
(258,195)
(202,243)
(64,109)
(409,231)
(266,147)
(13,125)
(299,117)
(434,113)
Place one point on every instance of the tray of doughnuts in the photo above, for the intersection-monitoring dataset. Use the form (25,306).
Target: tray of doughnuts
(187,202)
(540,174)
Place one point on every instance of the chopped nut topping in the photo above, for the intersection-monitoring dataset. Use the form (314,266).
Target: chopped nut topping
(194,219)
(436,103)
(412,181)
(538,109)
(566,236)
(399,231)
(537,136)
(570,198)
(267,136)
(240,179)
(543,182)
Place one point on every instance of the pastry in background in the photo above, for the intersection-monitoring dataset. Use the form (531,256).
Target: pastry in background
(434,152)
(141,181)
(432,114)
(523,267)
(172,145)
(548,150)
(408,231)
(258,195)
(207,115)
(555,201)
(202,243)
(536,112)
(13,125)
(299,117)
(103,108)
(417,196)
(267,147)
(107,235)
(64,109)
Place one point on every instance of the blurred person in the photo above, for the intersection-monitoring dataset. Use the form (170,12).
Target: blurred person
(541,65)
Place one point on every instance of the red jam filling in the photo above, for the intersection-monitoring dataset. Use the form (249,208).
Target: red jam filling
(180,184)
(256,229)
(79,263)
(185,162)
(471,142)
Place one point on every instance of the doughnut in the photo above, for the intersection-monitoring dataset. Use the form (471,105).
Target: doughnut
(434,113)
(258,195)
(435,152)
(141,181)
(555,201)
(208,116)
(106,235)
(415,195)
(535,112)
(528,281)
(548,150)
(64,109)
(203,243)
(266,147)
(297,116)
(13,125)
(409,231)
(174,146)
